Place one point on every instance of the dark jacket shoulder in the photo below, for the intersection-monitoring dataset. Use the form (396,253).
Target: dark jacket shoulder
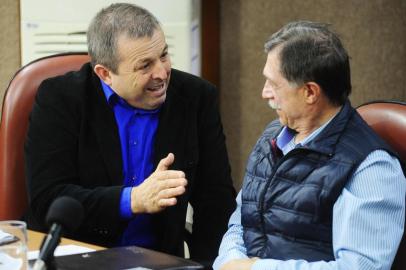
(190,86)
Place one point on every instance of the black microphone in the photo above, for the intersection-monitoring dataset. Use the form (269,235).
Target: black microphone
(64,214)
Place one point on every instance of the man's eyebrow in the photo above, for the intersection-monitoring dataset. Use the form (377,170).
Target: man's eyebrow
(270,80)
(143,61)
(265,75)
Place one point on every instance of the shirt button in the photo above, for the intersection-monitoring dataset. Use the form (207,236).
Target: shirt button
(134,177)
(135,142)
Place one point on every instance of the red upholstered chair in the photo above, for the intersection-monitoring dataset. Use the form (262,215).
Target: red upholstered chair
(17,105)
(388,119)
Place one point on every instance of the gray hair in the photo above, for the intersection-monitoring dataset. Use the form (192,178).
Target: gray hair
(112,22)
(310,51)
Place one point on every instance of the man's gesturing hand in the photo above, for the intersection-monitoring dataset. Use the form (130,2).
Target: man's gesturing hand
(159,190)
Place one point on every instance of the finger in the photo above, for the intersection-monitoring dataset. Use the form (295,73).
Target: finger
(167,202)
(169,174)
(172,192)
(171,183)
(164,163)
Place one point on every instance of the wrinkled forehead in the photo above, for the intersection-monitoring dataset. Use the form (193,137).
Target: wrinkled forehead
(140,47)
(272,64)
(125,37)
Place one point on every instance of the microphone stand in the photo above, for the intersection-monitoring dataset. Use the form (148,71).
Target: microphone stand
(46,259)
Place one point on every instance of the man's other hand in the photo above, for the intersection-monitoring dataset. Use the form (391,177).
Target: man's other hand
(160,189)
(239,264)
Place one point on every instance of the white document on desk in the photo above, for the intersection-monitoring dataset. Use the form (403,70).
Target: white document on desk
(61,251)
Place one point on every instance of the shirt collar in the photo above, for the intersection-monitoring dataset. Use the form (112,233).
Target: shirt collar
(284,137)
(108,93)
(113,99)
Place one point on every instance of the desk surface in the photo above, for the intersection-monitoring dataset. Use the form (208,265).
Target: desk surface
(114,258)
(35,240)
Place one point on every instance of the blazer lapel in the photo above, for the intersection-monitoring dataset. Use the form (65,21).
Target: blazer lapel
(171,138)
(171,132)
(104,125)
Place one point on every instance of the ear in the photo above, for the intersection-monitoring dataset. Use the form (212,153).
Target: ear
(312,92)
(103,73)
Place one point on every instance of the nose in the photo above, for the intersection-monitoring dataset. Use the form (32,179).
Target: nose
(160,71)
(267,92)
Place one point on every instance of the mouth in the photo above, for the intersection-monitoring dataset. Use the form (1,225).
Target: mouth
(157,89)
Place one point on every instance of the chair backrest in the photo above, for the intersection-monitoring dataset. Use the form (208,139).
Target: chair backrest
(17,105)
(388,119)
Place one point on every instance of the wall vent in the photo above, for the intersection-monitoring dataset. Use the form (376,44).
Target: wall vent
(55,26)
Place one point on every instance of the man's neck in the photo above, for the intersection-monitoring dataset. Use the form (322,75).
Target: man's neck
(314,120)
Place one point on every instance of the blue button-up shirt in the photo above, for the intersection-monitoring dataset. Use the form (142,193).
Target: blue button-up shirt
(137,128)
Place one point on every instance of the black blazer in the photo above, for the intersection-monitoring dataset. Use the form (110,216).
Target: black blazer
(73,149)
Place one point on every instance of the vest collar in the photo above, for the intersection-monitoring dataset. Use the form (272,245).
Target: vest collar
(326,141)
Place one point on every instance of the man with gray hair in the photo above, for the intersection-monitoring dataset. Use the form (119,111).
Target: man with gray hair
(134,141)
(321,189)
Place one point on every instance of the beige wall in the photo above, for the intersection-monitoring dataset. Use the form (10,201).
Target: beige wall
(9,42)
(373,32)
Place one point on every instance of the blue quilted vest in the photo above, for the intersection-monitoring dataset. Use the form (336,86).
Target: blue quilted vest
(287,201)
